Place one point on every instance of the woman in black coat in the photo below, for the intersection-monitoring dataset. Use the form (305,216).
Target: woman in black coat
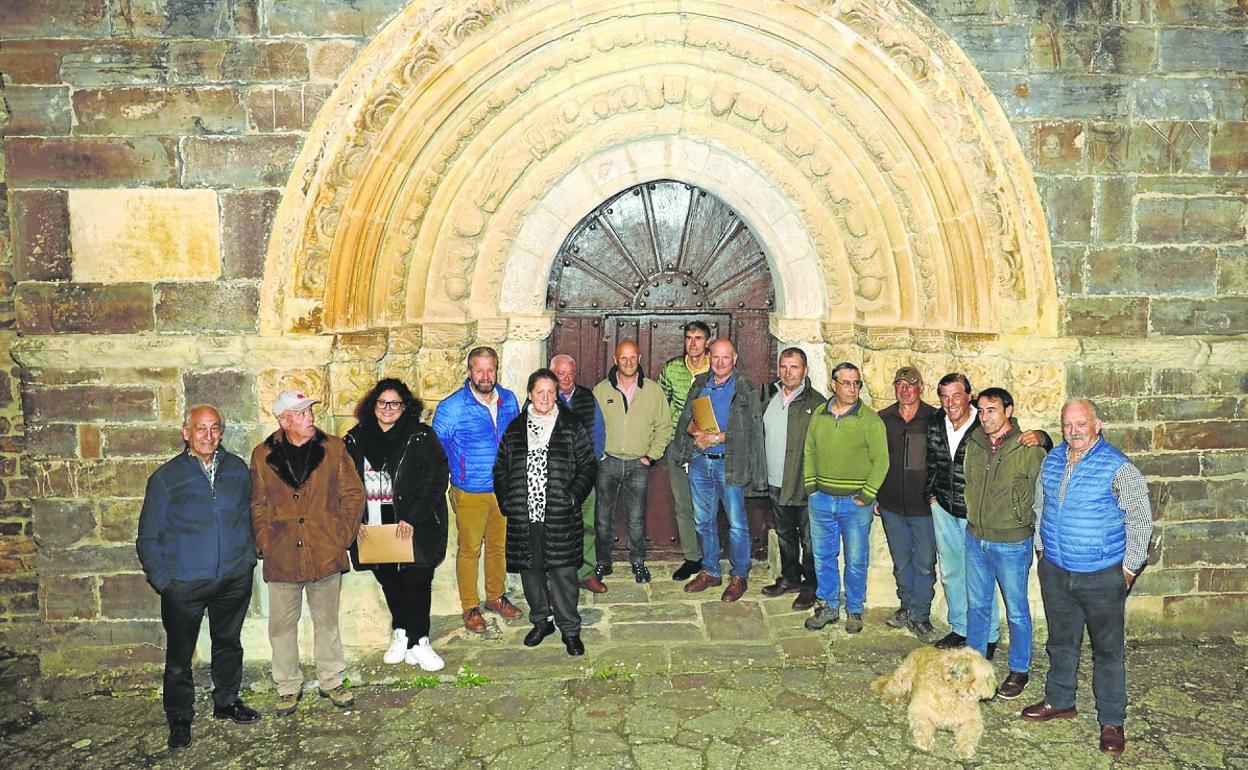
(544,471)
(405,475)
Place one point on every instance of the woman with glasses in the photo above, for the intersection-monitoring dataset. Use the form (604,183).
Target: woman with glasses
(405,475)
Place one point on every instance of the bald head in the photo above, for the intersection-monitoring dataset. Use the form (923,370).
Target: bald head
(627,360)
(723,359)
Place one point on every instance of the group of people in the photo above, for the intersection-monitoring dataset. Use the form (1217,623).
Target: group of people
(536,489)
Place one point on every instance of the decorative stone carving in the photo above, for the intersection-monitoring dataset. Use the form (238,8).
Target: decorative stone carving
(270,382)
(439,372)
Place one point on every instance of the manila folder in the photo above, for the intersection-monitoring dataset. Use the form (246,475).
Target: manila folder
(380,546)
(704,414)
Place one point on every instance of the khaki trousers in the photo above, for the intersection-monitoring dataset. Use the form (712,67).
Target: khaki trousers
(477,520)
(285,607)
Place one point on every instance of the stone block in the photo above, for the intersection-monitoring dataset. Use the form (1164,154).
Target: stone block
(238,61)
(1057,146)
(233,393)
(1232,270)
(1187,11)
(193,18)
(1204,543)
(245,161)
(1097,381)
(160,235)
(1203,380)
(329,59)
(1165,582)
(1097,49)
(1223,463)
(1114,198)
(1183,500)
(128,597)
(1039,95)
(1136,270)
(246,221)
(61,523)
(1068,262)
(1189,220)
(1167,147)
(83,308)
(119,519)
(1228,151)
(1113,316)
(1222,581)
(284,108)
(89,442)
(159,110)
(993,48)
(1189,408)
(130,440)
(1130,439)
(1184,49)
(41,235)
(1167,464)
(56,18)
(52,440)
(116,62)
(68,598)
(205,307)
(1220,614)
(1068,207)
(83,403)
(37,111)
(35,62)
(88,161)
(1185,98)
(323,18)
(1227,315)
(1204,434)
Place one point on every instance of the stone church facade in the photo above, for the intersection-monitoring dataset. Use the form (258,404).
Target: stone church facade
(212,200)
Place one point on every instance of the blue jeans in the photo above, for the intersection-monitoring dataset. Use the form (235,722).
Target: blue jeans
(706,486)
(912,545)
(1097,600)
(835,519)
(988,565)
(951,553)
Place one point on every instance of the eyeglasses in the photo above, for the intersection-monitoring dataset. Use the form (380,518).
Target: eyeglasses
(389,405)
(848,383)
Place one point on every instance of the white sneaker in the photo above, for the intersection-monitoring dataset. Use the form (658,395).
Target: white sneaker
(423,655)
(398,647)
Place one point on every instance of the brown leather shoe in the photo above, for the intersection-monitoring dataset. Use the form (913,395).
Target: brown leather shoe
(1043,712)
(736,587)
(473,620)
(702,582)
(503,606)
(805,599)
(780,588)
(593,584)
(1113,740)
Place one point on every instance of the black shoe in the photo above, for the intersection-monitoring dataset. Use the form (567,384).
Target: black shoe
(237,712)
(179,734)
(602,570)
(540,631)
(641,573)
(950,641)
(992,650)
(687,570)
(574,644)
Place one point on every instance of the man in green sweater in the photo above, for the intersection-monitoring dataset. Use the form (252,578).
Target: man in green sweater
(675,379)
(846,460)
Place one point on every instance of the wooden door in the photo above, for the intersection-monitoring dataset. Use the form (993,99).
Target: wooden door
(640,267)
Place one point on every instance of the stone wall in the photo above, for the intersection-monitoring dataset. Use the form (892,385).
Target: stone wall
(144,154)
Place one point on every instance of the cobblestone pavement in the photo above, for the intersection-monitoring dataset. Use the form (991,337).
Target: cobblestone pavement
(670,681)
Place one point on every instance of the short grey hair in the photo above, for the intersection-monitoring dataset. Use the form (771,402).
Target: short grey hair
(554,361)
(190,410)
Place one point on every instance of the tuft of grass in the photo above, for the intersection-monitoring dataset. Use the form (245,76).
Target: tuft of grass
(466,677)
(426,682)
(608,673)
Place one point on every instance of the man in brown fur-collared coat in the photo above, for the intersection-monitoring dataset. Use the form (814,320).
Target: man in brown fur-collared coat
(306,500)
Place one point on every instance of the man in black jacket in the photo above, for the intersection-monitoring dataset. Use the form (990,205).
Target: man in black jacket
(584,406)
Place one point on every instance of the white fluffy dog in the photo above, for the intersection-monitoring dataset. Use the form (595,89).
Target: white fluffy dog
(945,688)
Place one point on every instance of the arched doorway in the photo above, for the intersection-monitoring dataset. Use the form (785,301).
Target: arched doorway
(644,263)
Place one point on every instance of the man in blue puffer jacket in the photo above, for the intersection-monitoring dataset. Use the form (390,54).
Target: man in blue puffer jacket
(469,423)
(1092,511)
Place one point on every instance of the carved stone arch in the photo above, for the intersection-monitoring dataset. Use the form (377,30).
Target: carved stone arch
(878,170)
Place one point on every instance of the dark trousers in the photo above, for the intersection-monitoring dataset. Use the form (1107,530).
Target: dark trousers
(792,526)
(408,593)
(1097,600)
(182,606)
(550,591)
(621,486)
(912,546)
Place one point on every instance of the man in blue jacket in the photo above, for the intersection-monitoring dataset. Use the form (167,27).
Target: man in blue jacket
(1095,522)
(469,423)
(195,545)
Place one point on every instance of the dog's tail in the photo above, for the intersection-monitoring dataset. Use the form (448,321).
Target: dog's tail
(897,685)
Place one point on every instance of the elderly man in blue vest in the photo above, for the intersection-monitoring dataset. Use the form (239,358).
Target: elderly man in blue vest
(1094,519)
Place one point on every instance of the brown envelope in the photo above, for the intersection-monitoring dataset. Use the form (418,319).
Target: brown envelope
(704,414)
(380,546)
